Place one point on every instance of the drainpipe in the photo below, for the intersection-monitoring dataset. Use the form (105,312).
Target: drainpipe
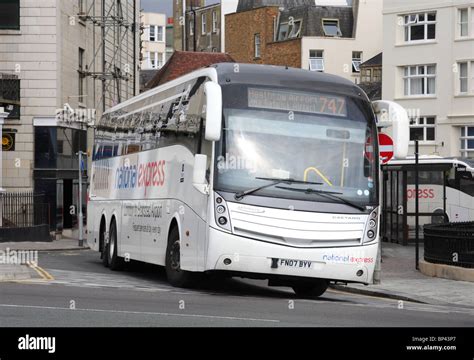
(3,116)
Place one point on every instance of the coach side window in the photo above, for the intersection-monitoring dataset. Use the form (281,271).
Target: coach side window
(466,183)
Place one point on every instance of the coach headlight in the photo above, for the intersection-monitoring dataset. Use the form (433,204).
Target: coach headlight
(371,228)
(221,212)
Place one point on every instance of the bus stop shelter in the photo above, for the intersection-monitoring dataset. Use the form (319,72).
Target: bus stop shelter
(398,198)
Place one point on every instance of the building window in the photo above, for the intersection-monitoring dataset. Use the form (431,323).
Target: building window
(420,26)
(283,31)
(160,60)
(463,18)
(463,77)
(10,95)
(257,45)
(356,61)
(294,29)
(316,60)
(81,75)
(366,75)
(156,60)
(331,28)
(161,33)
(157,33)
(152,60)
(290,30)
(152,36)
(10,14)
(423,128)
(191,27)
(81,6)
(467,141)
(419,80)
(203,24)
(214,22)
(377,75)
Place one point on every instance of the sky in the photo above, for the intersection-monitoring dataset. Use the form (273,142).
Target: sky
(164,6)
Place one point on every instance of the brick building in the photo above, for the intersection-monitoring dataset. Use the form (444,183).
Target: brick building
(327,36)
(204,26)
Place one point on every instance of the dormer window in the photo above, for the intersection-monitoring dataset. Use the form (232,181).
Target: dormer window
(283,31)
(331,28)
(289,30)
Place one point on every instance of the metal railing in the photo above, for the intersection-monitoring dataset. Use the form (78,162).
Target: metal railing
(451,244)
(22,210)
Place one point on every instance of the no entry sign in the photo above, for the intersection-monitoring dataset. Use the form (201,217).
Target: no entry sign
(385,148)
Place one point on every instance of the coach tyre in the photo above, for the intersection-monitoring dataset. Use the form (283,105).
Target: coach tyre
(176,276)
(115,262)
(310,290)
(103,245)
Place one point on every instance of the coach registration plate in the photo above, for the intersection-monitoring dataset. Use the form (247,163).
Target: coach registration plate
(301,264)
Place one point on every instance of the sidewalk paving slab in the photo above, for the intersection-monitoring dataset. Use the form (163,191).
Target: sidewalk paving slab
(13,272)
(56,245)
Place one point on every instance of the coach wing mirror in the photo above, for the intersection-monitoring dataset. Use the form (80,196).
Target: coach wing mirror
(390,114)
(213,111)
(199,174)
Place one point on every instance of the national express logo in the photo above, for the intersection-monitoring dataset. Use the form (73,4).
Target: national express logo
(146,175)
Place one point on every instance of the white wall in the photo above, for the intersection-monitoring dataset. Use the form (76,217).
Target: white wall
(227,7)
(451,111)
(148,46)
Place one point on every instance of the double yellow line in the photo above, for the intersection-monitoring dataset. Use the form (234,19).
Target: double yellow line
(41,272)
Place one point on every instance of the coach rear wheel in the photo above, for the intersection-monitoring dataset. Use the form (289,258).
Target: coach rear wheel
(310,290)
(104,246)
(176,276)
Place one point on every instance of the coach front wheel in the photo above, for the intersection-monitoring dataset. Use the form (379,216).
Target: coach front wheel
(310,289)
(176,276)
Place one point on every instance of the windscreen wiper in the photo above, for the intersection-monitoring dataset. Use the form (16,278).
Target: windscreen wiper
(327,194)
(275,181)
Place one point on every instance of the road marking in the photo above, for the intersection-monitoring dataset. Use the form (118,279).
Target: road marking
(139,313)
(42,272)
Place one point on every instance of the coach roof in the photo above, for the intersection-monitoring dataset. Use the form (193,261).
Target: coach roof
(286,77)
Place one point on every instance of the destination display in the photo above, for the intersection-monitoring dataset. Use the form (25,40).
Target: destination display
(297,101)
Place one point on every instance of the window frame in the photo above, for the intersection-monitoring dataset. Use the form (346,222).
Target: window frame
(257,46)
(355,67)
(339,32)
(407,26)
(408,77)
(152,38)
(465,150)
(421,122)
(158,27)
(214,22)
(321,68)
(203,24)
(460,23)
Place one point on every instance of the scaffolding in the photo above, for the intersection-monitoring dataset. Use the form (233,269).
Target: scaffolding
(116,25)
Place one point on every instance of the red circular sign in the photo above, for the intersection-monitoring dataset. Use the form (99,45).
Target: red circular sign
(385,148)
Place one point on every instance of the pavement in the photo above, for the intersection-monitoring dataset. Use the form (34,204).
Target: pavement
(400,280)
(11,270)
